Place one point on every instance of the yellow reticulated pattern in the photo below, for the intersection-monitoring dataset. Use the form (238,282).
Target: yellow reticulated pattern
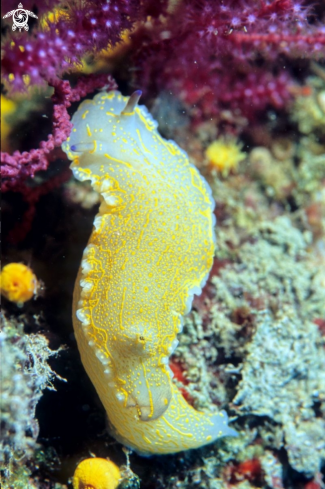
(151,249)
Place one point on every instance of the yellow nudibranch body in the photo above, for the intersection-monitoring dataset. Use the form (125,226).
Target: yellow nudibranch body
(151,249)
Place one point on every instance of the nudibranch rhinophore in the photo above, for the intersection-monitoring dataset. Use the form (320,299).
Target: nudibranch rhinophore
(150,251)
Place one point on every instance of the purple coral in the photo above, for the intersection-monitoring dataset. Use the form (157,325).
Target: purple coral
(80,28)
(227,55)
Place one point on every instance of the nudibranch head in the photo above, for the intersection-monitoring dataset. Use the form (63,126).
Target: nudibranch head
(18,283)
(96,473)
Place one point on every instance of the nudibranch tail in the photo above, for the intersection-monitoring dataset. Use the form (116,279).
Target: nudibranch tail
(179,428)
(151,249)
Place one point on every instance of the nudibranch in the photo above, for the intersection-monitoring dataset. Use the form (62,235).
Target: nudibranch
(150,251)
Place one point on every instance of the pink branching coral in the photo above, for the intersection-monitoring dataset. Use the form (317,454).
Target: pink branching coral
(227,55)
(17,167)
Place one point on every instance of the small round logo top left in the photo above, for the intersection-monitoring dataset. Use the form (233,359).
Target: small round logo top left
(20,18)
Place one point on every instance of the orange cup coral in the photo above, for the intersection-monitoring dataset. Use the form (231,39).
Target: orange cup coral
(96,473)
(18,283)
(224,155)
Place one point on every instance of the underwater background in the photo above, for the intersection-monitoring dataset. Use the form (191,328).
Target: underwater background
(239,85)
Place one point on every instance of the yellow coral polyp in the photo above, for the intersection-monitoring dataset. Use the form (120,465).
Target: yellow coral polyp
(8,107)
(53,17)
(96,473)
(18,283)
(224,155)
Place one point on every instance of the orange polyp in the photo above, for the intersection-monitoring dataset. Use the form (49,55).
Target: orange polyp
(18,283)
(96,473)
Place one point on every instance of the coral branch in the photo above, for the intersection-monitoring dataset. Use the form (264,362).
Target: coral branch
(285,42)
(17,167)
(31,196)
(226,55)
